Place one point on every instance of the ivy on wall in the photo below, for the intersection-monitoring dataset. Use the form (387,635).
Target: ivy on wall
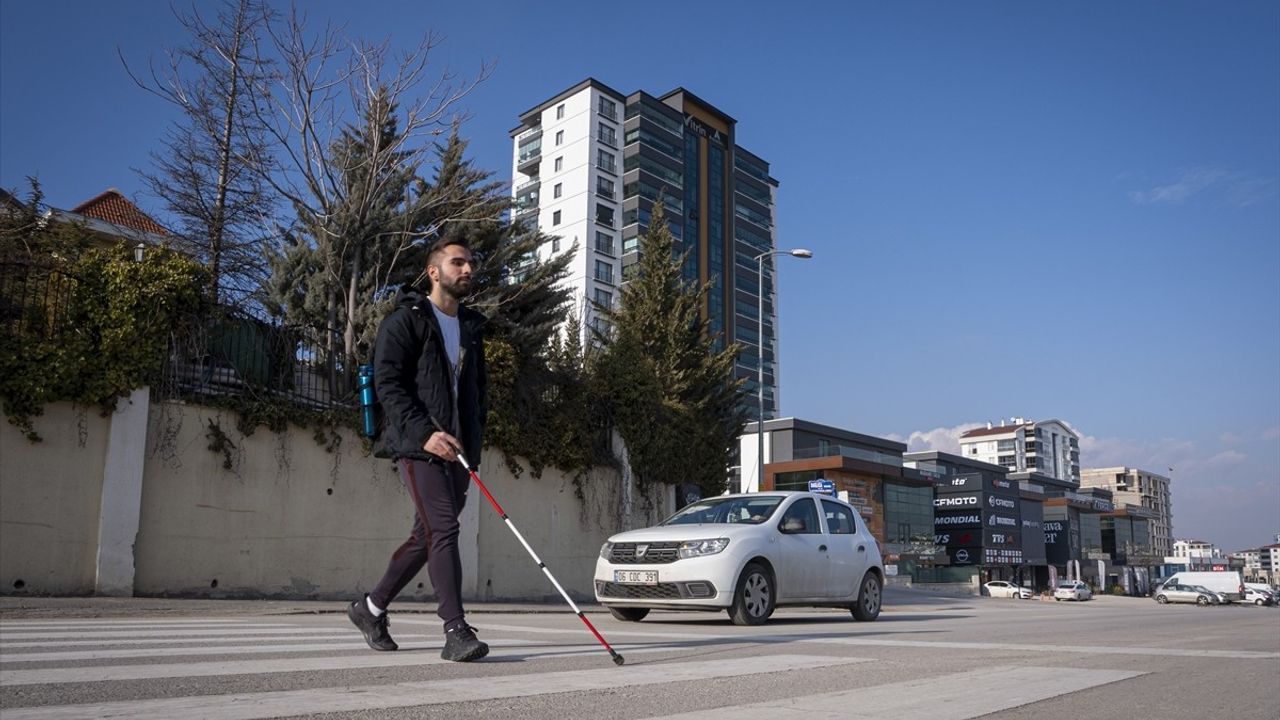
(97,328)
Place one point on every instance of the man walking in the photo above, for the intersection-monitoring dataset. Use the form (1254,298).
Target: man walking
(429,365)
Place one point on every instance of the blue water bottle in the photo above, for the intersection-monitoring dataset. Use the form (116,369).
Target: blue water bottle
(364,382)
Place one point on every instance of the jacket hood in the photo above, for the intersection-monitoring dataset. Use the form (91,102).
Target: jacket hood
(408,296)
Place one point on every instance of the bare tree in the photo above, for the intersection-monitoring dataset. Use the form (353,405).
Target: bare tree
(211,171)
(352,124)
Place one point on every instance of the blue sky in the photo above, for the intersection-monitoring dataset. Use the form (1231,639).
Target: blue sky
(1032,209)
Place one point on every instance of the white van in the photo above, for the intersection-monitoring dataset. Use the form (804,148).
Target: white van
(1228,583)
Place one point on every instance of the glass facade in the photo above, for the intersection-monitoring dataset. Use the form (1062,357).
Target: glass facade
(715,242)
(908,514)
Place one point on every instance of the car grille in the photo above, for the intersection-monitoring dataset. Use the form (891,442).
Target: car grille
(661,591)
(658,553)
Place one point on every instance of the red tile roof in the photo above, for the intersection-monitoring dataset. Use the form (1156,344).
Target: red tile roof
(115,208)
(979,432)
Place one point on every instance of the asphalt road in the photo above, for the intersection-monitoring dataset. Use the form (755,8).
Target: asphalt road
(926,657)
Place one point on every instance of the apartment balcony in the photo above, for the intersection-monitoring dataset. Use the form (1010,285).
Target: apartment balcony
(528,163)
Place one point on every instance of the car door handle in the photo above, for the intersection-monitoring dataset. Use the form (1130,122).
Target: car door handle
(822,548)
(862,548)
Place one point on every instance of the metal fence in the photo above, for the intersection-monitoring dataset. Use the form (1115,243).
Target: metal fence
(35,299)
(234,353)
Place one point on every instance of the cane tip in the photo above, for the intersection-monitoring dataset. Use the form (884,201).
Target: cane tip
(617,659)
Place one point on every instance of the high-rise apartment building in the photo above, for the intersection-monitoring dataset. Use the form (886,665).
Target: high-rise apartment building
(1131,486)
(588,165)
(1048,447)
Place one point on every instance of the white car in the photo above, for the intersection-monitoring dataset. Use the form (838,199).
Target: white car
(746,554)
(1072,590)
(1000,588)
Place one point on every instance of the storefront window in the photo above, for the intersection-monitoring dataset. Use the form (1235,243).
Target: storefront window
(908,513)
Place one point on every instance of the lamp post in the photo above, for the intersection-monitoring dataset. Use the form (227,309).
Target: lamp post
(138,251)
(797,252)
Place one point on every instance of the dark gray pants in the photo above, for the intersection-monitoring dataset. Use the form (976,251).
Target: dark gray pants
(439,492)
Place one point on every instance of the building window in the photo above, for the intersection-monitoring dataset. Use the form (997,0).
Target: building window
(555,191)
(604,298)
(604,272)
(604,187)
(604,215)
(607,108)
(605,161)
(604,243)
(607,135)
(560,111)
(555,245)
(555,218)
(559,163)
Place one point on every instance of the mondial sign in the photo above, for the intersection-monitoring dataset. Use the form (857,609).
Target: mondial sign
(957,520)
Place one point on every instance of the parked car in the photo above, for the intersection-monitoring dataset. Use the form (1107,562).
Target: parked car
(1174,592)
(1258,597)
(1000,588)
(746,554)
(1072,590)
(1219,598)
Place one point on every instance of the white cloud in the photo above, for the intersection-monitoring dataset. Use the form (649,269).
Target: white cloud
(1235,188)
(1227,457)
(942,439)
(1189,183)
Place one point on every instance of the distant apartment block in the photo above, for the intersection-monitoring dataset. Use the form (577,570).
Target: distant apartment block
(1145,489)
(588,166)
(1048,447)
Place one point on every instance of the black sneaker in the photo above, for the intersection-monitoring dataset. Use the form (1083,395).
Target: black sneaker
(374,628)
(461,645)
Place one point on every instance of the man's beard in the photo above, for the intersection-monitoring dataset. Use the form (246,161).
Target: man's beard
(459,288)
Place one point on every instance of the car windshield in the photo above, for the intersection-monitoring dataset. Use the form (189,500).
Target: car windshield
(751,510)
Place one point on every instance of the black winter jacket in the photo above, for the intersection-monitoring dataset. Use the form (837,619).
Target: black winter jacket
(412,379)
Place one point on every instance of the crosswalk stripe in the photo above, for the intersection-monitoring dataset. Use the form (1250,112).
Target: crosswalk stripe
(506,650)
(189,651)
(103,622)
(250,706)
(928,644)
(194,632)
(959,696)
(311,635)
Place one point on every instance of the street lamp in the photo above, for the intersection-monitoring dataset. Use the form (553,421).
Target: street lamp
(797,252)
(138,251)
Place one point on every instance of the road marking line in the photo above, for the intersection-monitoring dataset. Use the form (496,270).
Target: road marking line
(508,650)
(119,621)
(945,644)
(371,698)
(959,696)
(162,632)
(313,635)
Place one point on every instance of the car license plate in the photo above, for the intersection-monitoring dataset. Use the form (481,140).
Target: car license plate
(635,577)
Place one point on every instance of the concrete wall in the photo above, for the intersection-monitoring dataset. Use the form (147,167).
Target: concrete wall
(288,519)
(49,500)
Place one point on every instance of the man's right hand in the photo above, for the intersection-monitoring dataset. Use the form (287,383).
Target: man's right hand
(443,445)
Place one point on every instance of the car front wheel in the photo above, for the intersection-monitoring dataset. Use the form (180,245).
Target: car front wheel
(1162,599)
(629,614)
(1202,600)
(869,598)
(754,598)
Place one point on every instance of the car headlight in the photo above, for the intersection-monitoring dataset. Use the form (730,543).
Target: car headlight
(604,550)
(698,548)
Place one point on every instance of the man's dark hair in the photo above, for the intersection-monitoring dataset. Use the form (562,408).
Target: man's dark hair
(438,246)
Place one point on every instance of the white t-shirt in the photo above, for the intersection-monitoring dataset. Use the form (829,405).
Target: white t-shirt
(452,336)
